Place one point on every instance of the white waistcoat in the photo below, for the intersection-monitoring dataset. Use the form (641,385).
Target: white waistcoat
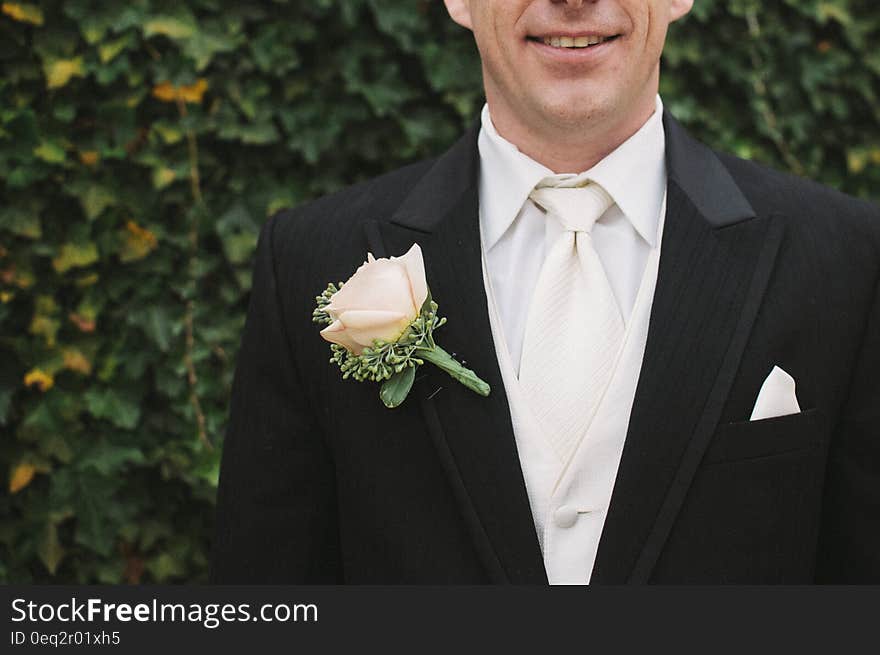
(570,500)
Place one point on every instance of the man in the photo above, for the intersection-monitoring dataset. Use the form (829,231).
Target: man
(681,347)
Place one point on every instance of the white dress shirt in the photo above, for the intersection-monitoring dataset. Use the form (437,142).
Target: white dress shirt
(516,232)
(570,500)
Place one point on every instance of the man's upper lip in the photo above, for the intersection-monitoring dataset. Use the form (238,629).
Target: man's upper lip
(573,34)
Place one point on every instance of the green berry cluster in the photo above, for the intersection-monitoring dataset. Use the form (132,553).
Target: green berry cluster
(320,315)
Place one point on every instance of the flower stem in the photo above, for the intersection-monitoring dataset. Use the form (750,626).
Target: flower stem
(445,361)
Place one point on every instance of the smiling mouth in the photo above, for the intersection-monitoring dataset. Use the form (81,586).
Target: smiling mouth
(573,42)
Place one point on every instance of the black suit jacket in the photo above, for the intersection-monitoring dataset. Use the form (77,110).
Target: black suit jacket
(320,483)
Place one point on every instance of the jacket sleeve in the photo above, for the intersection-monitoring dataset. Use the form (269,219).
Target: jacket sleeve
(849,544)
(276,506)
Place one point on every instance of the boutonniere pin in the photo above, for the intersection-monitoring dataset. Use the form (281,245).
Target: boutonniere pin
(380,325)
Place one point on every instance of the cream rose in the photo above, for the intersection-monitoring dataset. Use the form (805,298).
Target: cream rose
(379,301)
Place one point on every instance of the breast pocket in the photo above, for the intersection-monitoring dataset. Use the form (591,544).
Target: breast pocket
(770,436)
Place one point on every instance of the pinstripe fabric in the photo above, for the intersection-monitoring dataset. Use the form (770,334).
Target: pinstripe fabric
(574,327)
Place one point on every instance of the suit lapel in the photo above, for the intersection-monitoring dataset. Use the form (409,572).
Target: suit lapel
(716,260)
(472,434)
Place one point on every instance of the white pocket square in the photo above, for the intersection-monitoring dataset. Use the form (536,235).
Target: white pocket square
(777,396)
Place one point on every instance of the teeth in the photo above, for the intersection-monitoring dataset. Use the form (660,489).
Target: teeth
(573,42)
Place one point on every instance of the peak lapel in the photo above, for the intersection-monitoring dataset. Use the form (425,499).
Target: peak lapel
(716,260)
(472,434)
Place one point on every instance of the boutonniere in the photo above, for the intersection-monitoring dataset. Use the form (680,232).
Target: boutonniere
(380,325)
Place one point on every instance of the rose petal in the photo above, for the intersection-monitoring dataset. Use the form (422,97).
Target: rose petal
(336,333)
(365,325)
(415,269)
(382,284)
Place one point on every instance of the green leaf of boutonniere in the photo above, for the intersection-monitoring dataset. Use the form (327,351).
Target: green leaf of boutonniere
(396,388)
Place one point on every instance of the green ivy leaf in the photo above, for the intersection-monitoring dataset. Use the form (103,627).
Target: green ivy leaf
(94,198)
(156,322)
(110,459)
(96,518)
(111,405)
(21,222)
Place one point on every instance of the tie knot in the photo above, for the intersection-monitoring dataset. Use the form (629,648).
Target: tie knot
(577,206)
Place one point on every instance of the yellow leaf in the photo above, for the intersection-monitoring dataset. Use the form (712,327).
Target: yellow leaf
(39,378)
(49,548)
(46,327)
(856,160)
(87,280)
(194,92)
(89,157)
(6,296)
(137,242)
(167,92)
(59,71)
(169,133)
(26,13)
(50,152)
(74,360)
(44,322)
(21,477)
(107,51)
(169,26)
(162,177)
(75,255)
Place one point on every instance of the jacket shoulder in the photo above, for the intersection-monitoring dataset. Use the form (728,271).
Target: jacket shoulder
(771,191)
(834,235)
(344,210)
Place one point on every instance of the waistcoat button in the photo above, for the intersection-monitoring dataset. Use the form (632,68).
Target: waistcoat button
(565,516)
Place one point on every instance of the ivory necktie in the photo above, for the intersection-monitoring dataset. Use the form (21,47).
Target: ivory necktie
(574,327)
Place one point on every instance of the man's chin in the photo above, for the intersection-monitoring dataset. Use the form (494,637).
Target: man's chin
(572,112)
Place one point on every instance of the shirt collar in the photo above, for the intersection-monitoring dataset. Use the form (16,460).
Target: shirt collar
(634,175)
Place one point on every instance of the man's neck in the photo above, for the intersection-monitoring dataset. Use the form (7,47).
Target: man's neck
(569,149)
